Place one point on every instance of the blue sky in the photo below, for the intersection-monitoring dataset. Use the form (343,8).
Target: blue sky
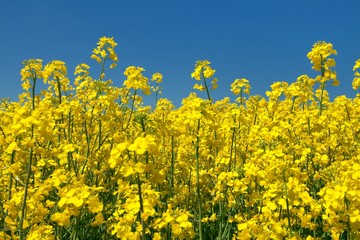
(263,41)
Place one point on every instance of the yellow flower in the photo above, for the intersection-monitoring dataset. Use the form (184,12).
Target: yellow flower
(240,85)
(144,144)
(157,77)
(116,153)
(135,80)
(44,232)
(61,219)
(157,236)
(105,50)
(94,204)
(214,84)
(32,69)
(202,69)
(356,81)
(357,65)
(98,220)
(199,87)
(319,55)
(82,69)
(54,69)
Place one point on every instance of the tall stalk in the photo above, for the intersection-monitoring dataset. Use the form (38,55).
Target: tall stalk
(59,88)
(287,202)
(132,109)
(322,87)
(198,180)
(207,88)
(11,175)
(231,149)
(28,170)
(143,233)
(172,167)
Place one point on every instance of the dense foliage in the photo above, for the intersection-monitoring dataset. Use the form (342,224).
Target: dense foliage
(89,160)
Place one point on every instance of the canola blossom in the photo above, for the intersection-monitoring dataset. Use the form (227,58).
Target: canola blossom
(89,160)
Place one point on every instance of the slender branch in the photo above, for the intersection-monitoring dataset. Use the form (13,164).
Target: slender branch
(198,180)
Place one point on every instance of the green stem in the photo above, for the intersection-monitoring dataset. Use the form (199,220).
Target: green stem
(231,148)
(11,175)
(146,153)
(87,148)
(23,207)
(59,88)
(293,104)
(287,202)
(102,67)
(10,186)
(99,147)
(156,93)
(28,172)
(172,167)
(241,96)
(143,234)
(198,180)
(221,218)
(207,88)
(132,110)
(322,85)
(33,93)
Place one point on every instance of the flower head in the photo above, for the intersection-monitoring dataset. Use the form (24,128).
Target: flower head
(157,77)
(239,85)
(105,50)
(202,68)
(135,80)
(319,55)
(356,81)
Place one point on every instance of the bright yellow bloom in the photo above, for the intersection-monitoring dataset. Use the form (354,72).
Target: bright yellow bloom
(240,85)
(54,69)
(98,220)
(61,219)
(319,55)
(44,232)
(135,80)
(144,144)
(94,204)
(199,87)
(32,69)
(105,50)
(214,84)
(202,69)
(357,65)
(356,81)
(157,77)
(82,69)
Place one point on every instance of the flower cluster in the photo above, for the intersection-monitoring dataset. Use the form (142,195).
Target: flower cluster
(356,82)
(204,71)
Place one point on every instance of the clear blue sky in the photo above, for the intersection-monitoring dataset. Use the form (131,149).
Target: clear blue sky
(263,41)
